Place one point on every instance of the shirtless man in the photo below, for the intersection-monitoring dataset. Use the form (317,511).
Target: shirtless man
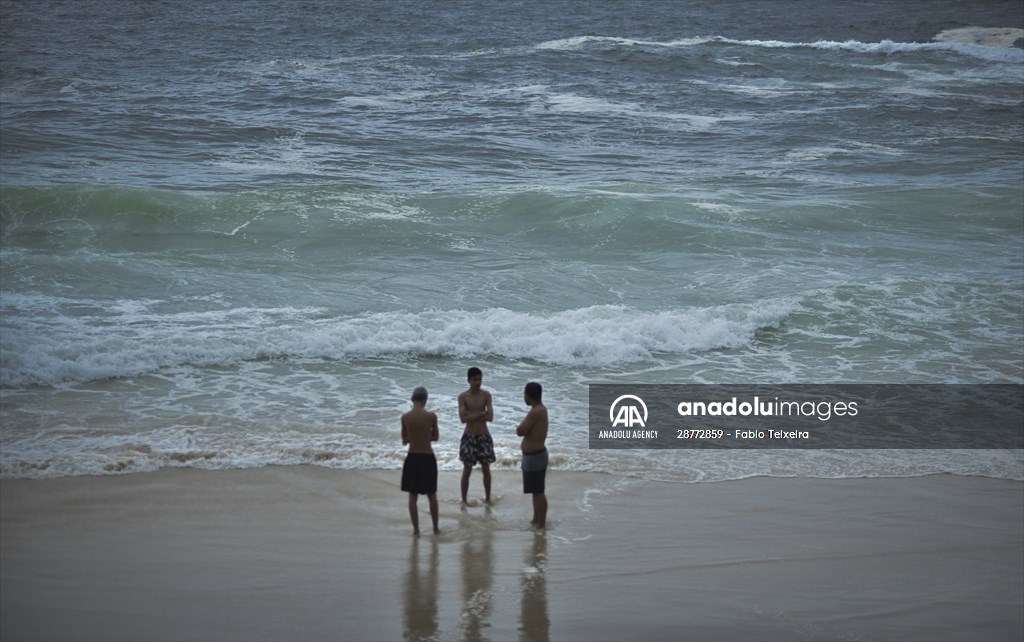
(419,473)
(475,411)
(534,431)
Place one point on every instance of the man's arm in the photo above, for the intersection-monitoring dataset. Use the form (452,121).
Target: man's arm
(435,433)
(405,432)
(487,414)
(488,408)
(524,428)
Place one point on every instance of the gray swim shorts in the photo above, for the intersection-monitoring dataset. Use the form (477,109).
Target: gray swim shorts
(535,468)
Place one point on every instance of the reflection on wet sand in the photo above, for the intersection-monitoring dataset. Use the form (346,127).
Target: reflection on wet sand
(535,625)
(486,568)
(477,581)
(421,616)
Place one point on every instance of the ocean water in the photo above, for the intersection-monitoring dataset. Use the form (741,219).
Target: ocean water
(238,234)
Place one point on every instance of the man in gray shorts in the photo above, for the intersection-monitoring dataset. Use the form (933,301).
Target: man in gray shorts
(534,431)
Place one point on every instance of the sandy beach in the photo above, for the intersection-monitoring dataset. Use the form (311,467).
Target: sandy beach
(290,553)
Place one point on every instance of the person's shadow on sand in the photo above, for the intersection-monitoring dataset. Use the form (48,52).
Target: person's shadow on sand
(421,615)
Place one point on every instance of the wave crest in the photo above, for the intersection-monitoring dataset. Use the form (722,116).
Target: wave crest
(44,346)
(995,45)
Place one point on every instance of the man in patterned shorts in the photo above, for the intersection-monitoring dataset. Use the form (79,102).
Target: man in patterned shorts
(475,411)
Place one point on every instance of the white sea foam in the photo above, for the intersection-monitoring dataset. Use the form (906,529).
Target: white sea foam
(774,88)
(718,208)
(993,45)
(853,149)
(579,42)
(132,339)
(553,101)
(888,47)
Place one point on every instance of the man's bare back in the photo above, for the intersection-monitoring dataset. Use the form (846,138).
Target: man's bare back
(419,471)
(419,428)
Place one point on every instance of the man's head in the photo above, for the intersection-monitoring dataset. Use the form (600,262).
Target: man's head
(419,395)
(475,377)
(533,392)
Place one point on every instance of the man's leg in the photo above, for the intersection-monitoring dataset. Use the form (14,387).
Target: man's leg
(540,510)
(485,468)
(432,500)
(466,470)
(414,514)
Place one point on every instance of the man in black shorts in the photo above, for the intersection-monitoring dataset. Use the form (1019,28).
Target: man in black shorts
(475,411)
(534,431)
(419,472)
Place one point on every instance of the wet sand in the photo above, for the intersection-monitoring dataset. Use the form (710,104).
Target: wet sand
(308,553)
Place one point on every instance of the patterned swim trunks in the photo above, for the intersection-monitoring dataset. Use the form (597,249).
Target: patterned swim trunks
(475,449)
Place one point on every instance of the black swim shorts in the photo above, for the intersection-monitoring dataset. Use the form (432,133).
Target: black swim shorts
(419,473)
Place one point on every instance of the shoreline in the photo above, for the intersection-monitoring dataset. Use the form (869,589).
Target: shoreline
(305,552)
